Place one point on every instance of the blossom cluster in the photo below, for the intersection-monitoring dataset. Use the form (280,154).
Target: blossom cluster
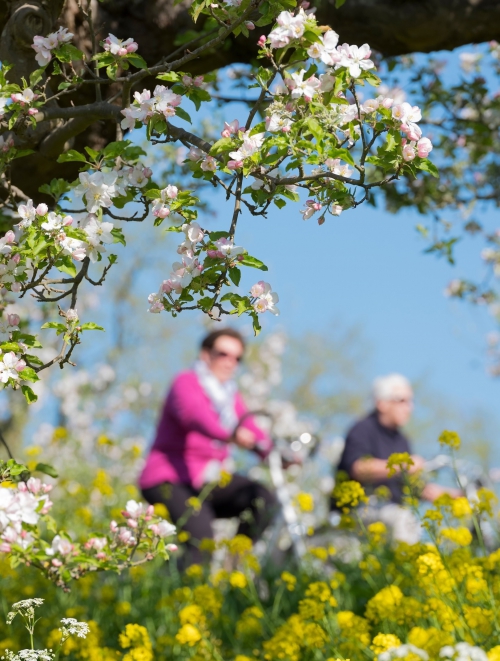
(43,46)
(163,102)
(19,509)
(119,47)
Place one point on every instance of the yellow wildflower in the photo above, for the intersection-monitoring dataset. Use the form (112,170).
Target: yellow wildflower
(399,461)
(192,614)
(310,609)
(188,635)
(461,535)
(494,653)
(383,642)
(450,438)
(385,604)
(305,502)
(194,503)
(237,579)
(349,494)
(194,571)
(289,580)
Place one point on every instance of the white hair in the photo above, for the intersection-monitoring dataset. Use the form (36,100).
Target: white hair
(389,387)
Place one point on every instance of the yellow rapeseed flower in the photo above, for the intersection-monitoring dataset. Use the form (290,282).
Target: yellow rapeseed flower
(289,580)
(461,535)
(188,635)
(450,438)
(385,604)
(237,579)
(383,642)
(305,502)
(349,494)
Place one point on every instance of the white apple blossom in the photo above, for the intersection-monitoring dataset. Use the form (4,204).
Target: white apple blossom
(56,222)
(27,212)
(165,100)
(10,271)
(251,144)
(98,189)
(355,59)
(278,123)
(300,87)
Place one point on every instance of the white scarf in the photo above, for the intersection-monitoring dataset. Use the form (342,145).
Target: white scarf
(222,395)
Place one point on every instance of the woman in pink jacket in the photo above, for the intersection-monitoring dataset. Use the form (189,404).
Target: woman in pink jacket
(201,412)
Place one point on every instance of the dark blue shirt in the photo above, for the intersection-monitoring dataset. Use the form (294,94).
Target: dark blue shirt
(368,438)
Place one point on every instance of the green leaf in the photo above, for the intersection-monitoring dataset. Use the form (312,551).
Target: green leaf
(47,469)
(29,394)
(29,374)
(255,263)
(180,112)
(279,202)
(114,149)
(71,155)
(118,235)
(68,53)
(54,324)
(90,325)
(92,153)
(111,70)
(428,166)
(170,76)
(36,76)
(137,61)
(224,144)
(214,236)
(112,259)
(339,3)
(66,265)
(235,275)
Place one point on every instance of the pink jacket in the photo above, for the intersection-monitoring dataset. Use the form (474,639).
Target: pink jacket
(189,436)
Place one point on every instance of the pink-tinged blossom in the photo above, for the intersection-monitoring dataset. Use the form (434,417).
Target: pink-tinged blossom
(162,529)
(262,41)
(310,210)
(424,147)
(74,247)
(166,100)
(155,301)
(370,106)
(224,248)
(6,142)
(27,212)
(171,192)
(138,176)
(230,128)
(266,299)
(409,151)
(327,82)
(234,165)
(198,81)
(126,537)
(193,232)
(13,319)
(72,315)
(195,154)
(119,47)
(336,209)
(326,49)
(60,545)
(25,97)
(41,209)
(54,222)
(209,164)
(43,46)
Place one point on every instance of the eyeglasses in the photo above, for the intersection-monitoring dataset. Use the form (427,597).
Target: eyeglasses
(224,354)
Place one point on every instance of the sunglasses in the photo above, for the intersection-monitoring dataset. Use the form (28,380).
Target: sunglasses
(224,354)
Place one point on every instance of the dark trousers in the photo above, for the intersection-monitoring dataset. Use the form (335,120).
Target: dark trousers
(243,498)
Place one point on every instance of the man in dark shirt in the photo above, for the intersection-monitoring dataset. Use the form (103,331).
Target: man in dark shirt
(371,441)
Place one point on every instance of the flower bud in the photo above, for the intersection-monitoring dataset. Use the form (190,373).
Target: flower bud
(13,319)
(41,209)
(16,258)
(249,25)
(262,41)
(16,287)
(72,315)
